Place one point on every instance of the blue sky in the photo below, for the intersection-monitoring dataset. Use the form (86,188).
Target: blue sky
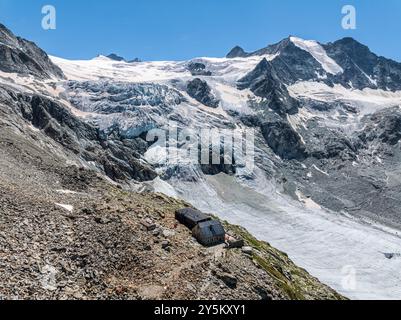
(183,29)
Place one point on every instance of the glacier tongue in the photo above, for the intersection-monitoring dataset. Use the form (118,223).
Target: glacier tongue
(332,247)
(317,51)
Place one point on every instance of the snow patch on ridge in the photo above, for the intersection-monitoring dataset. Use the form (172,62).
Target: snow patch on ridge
(317,51)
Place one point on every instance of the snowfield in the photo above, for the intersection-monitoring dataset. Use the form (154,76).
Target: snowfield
(153,71)
(317,51)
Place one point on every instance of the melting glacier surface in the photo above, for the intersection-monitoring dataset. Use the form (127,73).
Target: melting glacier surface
(344,253)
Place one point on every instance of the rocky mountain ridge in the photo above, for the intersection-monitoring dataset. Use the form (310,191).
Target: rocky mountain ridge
(360,68)
(20,56)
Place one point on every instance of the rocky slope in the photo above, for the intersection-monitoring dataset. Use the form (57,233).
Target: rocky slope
(20,56)
(70,225)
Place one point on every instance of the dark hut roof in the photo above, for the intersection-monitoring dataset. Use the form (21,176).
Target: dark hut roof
(211,228)
(194,215)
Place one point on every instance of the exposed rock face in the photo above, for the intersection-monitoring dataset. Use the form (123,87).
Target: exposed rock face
(363,68)
(24,57)
(292,63)
(198,69)
(115,57)
(237,52)
(384,127)
(284,141)
(210,169)
(264,82)
(201,92)
(118,158)
(331,144)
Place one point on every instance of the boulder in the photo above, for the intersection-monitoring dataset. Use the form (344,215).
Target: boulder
(247,250)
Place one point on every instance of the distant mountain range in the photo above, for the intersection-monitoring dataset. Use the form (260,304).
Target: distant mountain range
(115,57)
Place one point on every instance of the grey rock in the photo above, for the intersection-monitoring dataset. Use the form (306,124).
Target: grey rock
(247,250)
(236,52)
(166,244)
(264,82)
(115,57)
(283,140)
(383,126)
(228,279)
(148,224)
(198,69)
(168,233)
(113,156)
(363,68)
(135,60)
(21,56)
(201,92)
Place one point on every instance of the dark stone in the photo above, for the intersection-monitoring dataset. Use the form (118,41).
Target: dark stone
(264,82)
(115,57)
(262,292)
(198,69)
(229,280)
(252,121)
(363,68)
(384,126)
(117,158)
(283,140)
(135,60)
(21,56)
(236,52)
(201,92)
